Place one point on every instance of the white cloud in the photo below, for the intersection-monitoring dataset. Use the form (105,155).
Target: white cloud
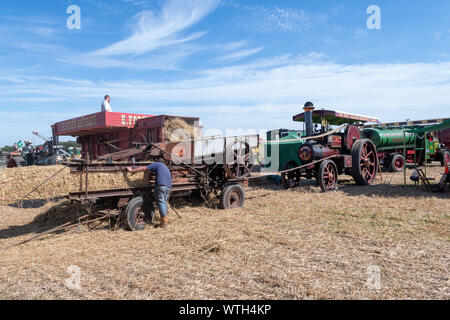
(239,54)
(234,45)
(278,19)
(441,35)
(264,94)
(43,31)
(155,30)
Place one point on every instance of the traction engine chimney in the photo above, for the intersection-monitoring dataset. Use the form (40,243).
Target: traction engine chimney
(309,107)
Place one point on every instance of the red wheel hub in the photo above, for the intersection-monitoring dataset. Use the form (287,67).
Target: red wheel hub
(399,163)
(368,162)
(329,176)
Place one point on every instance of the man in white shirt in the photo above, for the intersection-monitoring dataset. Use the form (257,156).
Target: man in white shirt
(105,105)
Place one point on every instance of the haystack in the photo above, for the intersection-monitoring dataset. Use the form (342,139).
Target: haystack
(15,183)
(177,130)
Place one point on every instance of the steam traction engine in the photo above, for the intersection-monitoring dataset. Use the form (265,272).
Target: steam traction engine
(328,153)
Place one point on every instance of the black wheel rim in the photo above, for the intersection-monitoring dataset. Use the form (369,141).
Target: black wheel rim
(290,179)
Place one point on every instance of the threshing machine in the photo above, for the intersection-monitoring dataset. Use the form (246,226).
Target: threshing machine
(207,166)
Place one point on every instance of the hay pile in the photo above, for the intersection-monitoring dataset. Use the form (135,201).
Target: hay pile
(177,130)
(297,244)
(15,183)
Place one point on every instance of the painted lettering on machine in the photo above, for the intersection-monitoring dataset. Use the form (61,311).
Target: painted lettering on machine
(130,120)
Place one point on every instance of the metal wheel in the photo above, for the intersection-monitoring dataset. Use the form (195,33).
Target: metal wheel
(352,134)
(364,162)
(138,213)
(290,179)
(327,176)
(232,197)
(397,163)
(237,160)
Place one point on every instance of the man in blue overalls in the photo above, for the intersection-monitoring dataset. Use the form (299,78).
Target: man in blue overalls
(163,184)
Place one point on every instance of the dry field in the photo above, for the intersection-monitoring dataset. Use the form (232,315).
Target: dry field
(299,244)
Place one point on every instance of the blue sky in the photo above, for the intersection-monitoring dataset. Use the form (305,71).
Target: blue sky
(236,64)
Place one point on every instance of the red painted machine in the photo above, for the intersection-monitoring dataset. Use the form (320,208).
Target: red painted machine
(115,133)
(202,166)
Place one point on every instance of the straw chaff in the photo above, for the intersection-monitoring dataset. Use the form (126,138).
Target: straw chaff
(177,130)
(18,182)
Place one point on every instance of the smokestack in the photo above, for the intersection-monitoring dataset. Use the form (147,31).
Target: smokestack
(309,107)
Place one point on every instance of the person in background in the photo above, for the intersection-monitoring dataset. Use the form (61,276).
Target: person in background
(19,146)
(106,106)
(163,184)
(29,153)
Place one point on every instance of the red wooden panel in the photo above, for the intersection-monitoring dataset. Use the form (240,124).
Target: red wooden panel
(97,121)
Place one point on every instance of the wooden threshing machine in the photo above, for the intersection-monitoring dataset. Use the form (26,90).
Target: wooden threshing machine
(207,166)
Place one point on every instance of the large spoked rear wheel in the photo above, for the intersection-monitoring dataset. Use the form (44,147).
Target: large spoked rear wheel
(327,176)
(138,213)
(364,162)
(290,179)
(232,197)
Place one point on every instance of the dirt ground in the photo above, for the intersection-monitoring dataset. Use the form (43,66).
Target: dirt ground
(375,242)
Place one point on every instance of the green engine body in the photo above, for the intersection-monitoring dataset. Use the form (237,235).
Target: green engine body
(387,137)
(282,147)
(390,139)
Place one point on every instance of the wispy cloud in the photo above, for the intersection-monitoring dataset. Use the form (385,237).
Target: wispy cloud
(234,45)
(265,89)
(154,30)
(442,35)
(273,18)
(239,54)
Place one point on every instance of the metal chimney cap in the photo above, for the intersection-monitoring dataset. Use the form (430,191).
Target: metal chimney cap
(308,106)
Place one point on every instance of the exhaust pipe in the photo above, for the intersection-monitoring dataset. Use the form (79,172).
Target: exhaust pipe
(309,107)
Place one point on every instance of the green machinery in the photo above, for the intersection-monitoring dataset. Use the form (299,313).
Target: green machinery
(420,147)
(281,148)
(290,149)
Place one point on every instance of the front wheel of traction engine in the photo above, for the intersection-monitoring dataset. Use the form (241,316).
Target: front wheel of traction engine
(139,212)
(364,162)
(232,196)
(290,179)
(327,176)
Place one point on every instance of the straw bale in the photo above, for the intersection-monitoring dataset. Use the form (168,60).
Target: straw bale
(18,182)
(177,130)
